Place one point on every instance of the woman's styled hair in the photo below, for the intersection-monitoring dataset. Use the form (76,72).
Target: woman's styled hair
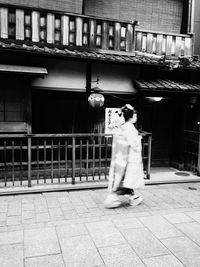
(128,111)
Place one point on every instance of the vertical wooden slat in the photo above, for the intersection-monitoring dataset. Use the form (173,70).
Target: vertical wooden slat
(13,163)
(106,156)
(139,41)
(65,30)
(81,157)
(105,32)
(87,158)
(73,158)
(188,47)
(178,42)
(159,41)
(50,28)
(38,161)
(52,146)
(99,157)
(29,161)
(45,160)
(19,24)
(169,45)
(149,43)
(35,26)
(144,43)
(93,158)
(149,157)
(117,36)
(66,160)
(129,38)
(20,158)
(4,22)
(59,172)
(5,164)
(92,33)
(79,31)
(164,46)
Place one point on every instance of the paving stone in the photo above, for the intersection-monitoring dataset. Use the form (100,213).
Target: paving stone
(192,230)
(144,242)
(41,241)
(160,227)
(105,234)
(120,256)
(80,251)
(69,230)
(42,217)
(11,255)
(178,218)
(11,237)
(45,261)
(163,261)
(127,223)
(195,215)
(190,259)
(13,220)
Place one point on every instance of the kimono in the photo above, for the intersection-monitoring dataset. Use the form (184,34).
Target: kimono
(126,168)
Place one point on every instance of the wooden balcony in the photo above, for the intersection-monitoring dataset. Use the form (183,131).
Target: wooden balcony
(71,30)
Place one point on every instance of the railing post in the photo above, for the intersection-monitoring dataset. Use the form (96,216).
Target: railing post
(73,158)
(149,157)
(29,161)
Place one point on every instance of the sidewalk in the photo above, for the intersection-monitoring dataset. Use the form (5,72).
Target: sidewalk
(74,229)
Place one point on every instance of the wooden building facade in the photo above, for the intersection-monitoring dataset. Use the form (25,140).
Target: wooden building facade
(54,53)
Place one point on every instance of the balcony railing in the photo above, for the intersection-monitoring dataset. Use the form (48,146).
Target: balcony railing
(72,30)
(27,160)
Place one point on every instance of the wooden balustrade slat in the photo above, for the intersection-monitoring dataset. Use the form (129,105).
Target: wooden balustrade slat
(164,45)
(38,160)
(139,41)
(45,160)
(159,44)
(81,157)
(19,24)
(93,159)
(65,30)
(50,28)
(92,33)
(79,31)
(178,44)
(117,36)
(144,43)
(20,159)
(150,43)
(87,158)
(4,22)
(35,16)
(66,160)
(129,38)
(169,45)
(59,173)
(188,47)
(105,34)
(13,160)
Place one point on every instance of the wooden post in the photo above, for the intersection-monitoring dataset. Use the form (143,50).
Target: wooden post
(191,11)
(19,24)
(29,161)
(169,45)
(4,22)
(149,42)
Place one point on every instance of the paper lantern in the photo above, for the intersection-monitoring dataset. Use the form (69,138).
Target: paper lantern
(96,100)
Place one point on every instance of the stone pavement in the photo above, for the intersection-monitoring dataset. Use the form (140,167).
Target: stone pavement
(74,229)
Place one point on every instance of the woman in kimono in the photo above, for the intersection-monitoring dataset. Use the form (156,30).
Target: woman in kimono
(126,168)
